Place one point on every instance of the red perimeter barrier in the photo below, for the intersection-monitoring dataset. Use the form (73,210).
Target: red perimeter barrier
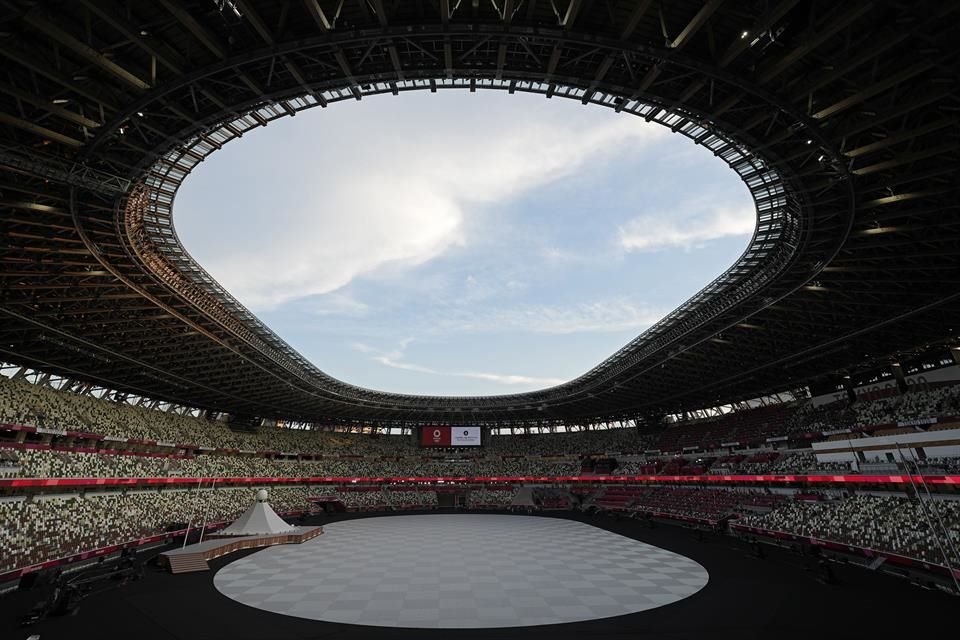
(17,483)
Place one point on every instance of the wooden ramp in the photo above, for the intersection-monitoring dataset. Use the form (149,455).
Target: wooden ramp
(195,556)
(187,562)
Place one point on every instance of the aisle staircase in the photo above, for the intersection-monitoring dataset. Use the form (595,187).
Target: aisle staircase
(523,497)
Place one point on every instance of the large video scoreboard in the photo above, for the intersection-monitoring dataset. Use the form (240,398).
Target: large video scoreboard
(450,436)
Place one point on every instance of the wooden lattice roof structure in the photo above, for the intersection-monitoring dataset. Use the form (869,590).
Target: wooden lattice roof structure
(840,117)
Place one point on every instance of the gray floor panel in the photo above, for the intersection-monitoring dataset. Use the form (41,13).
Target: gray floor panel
(460,572)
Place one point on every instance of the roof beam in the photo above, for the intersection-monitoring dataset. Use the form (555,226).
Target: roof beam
(903,197)
(298,76)
(760,27)
(696,23)
(324,24)
(652,73)
(638,12)
(834,26)
(38,130)
(347,72)
(900,137)
(36,66)
(570,17)
(878,44)
(316,12)
(395,60)
(183,115)
(448,57)
(47,169)
(900,109)
(598,78)
(679,42)
(253,86)
(164,54)
(112,15)
(841,71)
(887,83)
(200,32)
(248,12)
(905,158)
(691,90)
(261,28)
(86,52)
(381,12)
(49,107)
(506,13)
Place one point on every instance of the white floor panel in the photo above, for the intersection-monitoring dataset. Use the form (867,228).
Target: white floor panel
(461,571)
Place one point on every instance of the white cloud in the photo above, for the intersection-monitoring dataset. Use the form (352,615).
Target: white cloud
(374,221)
(362,348)
(594,317)
(394,359)
(686,229)
(336,304)
(514,379)
(406,366)
(382,189)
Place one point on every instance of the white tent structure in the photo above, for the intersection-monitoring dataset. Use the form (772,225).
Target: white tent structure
(260,519)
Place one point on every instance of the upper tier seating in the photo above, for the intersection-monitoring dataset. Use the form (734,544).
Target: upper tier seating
(356,455)
(42,463)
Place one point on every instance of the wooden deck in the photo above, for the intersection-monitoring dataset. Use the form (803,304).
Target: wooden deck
(195,556)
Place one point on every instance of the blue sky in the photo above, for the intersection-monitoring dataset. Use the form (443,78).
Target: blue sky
(462,244)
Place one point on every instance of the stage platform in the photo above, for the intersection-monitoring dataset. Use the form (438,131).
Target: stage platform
(461,571)
(194,557)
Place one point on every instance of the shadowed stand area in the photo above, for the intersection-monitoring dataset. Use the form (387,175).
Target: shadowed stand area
(747,597)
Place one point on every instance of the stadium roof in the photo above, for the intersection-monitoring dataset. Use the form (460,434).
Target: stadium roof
(841,118)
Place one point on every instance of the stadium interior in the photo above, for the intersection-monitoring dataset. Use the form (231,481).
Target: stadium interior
(792,431)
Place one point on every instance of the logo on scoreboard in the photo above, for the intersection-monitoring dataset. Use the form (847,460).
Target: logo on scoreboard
(450,436)
(466,437)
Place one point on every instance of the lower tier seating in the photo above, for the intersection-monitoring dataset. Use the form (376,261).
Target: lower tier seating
(899,525)
(47,528)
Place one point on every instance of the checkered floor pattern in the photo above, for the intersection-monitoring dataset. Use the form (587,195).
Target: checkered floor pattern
(460,572)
